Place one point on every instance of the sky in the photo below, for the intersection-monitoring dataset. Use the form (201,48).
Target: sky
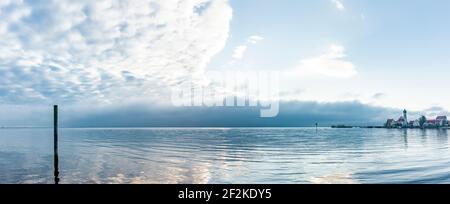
(391,54)
(354,61)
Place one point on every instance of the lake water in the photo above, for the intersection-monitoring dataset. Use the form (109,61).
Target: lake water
(247,155)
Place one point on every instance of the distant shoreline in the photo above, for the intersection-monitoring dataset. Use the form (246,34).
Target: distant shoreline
(382,127)
(281,127)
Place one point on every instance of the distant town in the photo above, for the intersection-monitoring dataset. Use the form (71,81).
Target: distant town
(440,122)
(423,122)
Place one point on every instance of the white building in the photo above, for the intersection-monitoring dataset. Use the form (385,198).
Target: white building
(430,124)
(441,121)
(405,118)
(416,124)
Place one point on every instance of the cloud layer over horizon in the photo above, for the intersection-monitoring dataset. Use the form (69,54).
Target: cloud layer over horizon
(292,114)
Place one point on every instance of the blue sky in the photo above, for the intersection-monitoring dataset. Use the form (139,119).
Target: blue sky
(377,54)
(399,49)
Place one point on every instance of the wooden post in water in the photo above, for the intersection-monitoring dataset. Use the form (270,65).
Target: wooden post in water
(55,143)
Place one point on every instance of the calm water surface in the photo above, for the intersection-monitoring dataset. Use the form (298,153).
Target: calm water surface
(269,155)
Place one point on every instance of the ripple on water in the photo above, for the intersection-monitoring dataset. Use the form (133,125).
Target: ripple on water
(230,155)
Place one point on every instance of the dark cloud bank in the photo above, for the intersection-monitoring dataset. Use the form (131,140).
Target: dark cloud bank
(292,114)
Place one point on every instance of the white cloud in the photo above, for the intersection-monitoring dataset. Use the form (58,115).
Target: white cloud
(255,39)
(239,51)
(61,50)
(339,5)
(330,64)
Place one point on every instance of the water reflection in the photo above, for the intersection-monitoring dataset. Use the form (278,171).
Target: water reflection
(270,155)
(405,136)
(443,133)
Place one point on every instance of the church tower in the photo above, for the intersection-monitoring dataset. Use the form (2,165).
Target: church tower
(405,117)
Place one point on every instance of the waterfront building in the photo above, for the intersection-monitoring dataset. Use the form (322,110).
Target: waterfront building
(430,124)
(401,122)
(416,124)
(389,123)
(441,121)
